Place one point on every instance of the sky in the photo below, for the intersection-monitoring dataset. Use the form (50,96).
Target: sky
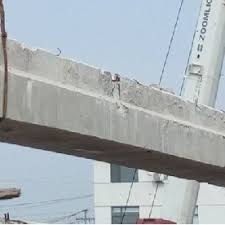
(128,37)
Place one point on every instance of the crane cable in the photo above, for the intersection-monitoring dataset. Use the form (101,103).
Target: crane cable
(190,51)
(153,201)
(171,42)
(128,197)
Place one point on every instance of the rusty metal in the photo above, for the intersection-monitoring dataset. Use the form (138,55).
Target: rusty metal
(5,57)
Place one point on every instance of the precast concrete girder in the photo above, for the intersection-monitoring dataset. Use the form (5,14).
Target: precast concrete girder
(59,105)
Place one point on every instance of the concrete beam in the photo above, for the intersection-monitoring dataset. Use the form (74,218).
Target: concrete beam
(9,193)
(63,106)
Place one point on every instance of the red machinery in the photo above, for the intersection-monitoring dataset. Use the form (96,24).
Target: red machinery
(154,221)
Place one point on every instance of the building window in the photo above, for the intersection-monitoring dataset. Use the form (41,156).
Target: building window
(130,217)
(122,174)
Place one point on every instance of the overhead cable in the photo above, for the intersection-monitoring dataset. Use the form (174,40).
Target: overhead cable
(171,41)
(49,202)
(153,201)
(67,216)
(128,197)
(189,55)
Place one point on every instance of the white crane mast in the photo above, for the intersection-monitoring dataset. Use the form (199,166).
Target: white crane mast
(203,75)
(201,86)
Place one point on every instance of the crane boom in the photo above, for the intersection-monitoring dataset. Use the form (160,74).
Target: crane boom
(207,56)
(201,86)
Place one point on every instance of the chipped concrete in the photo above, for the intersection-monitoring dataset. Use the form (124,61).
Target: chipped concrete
(64,106)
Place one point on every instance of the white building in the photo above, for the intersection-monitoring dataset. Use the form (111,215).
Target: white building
(112,185)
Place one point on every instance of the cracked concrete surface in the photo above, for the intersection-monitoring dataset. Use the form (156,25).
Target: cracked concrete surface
(68,107)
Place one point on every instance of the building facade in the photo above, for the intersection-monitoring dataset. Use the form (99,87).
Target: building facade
(112,185)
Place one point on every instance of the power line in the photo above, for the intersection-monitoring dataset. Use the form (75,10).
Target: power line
(49,202)
(50,216)
(128,197)
(67,217)
(171,42)
(46,214)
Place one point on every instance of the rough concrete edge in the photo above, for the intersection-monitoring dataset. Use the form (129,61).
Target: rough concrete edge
(216,117)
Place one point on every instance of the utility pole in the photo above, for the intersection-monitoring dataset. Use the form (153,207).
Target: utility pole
(85,219)
(201,86)
(85,216)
